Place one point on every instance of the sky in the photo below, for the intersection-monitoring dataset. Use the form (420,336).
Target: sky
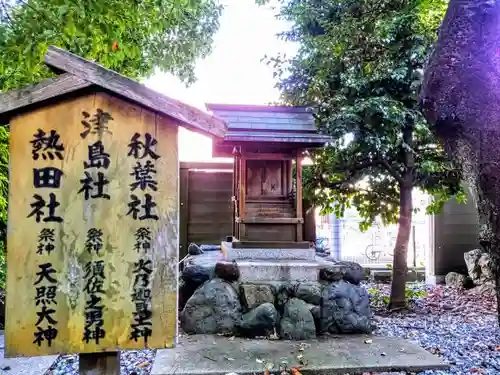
(234,72)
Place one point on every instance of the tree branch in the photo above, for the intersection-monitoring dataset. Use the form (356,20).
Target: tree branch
(352,167)
(389,168)
(344,187)
(7,15)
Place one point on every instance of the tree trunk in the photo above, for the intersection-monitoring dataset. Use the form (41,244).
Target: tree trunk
(400,267)
(461,97)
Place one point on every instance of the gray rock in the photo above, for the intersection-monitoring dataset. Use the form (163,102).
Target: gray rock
(297,322)
(228,271)
(316,313)
(345,309)
(186,290)
(351,272)
(479,266)
(485,263)
(194,249)
(197,274)
(456,280)
(284,293)
(213,308)
(471,261)
(309,292)
(253,295)
(487,289)
(260,321)
(330,273)
(200,268)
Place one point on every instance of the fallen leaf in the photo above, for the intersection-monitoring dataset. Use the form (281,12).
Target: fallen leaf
(229,358)
(231,338)
(300,359)
(368,341)
(274,336)
(143,364)
(383,354)
(477,370)
(258,360)
(435,351)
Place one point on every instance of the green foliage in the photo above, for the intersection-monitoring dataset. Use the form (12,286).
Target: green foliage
(413,293)
(360,66)
(130,36)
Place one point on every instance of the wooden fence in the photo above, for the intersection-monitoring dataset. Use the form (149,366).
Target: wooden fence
(206,208)
(205,203)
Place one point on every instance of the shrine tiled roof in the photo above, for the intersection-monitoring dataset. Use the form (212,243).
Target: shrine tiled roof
(276,124)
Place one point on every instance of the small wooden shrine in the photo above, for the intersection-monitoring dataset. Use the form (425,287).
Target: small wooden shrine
(265,142)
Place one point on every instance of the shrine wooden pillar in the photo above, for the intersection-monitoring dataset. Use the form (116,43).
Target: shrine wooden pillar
(242,195)
(298,198)
(289,176)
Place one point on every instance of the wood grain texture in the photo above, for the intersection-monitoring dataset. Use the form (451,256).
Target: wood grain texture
(70,256)
(206,166)
(190,117)
(270,220)
(50,88)
(298,198)
(99,364)
(269,232)
(209,206)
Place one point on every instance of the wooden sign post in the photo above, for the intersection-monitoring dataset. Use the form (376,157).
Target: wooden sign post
(93,214)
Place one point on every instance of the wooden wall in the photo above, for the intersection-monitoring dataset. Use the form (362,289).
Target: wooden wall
(205,205)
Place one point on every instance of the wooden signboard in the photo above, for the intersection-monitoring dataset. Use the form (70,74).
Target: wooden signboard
(92,234)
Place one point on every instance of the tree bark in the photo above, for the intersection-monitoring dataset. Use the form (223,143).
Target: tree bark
(461,97)
(400,267)
(400,260)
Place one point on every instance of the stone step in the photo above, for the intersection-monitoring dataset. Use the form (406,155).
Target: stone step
(215,355)
(278,270)
(267,254)
(271,254)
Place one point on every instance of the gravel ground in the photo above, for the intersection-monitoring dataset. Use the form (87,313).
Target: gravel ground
(459,326)
(132,362)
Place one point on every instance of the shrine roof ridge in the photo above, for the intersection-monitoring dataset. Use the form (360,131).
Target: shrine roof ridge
(76,73)
(258,108)
(269,124)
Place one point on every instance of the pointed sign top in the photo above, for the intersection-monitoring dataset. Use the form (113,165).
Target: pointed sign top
(77,73)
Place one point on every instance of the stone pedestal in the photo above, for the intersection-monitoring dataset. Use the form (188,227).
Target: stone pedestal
(296,299)
(239,254)
(268,265)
